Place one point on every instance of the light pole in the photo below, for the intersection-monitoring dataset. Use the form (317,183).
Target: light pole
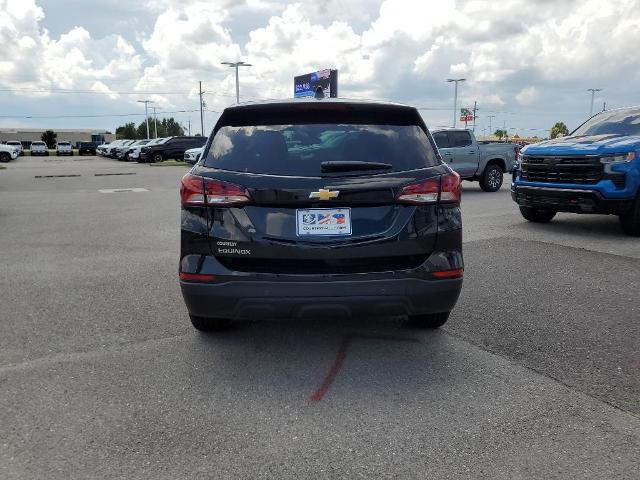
(155,123)
(593,93)
(146,113)
(236,65)
(455,97)
(490,117)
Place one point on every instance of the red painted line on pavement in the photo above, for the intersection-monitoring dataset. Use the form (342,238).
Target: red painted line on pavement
(333,371)
(342,355)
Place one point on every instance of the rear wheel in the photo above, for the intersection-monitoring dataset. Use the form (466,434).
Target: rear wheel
(157,157)
(5,157)
(429,320)
(492,178)
(630,221)
(205,324)
(537,215)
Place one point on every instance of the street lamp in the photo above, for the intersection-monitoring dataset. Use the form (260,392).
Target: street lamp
(593,93)
(155,123)
(236,65)
(455,97)
(146,113)
(490,117)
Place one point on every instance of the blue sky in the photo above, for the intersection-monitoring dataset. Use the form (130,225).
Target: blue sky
(527,64)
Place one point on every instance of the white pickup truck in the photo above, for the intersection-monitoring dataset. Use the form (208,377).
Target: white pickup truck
(17,145)
(8,153)
(64,148)
(472,160)
(39,148)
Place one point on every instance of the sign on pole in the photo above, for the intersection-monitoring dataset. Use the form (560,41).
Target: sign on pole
(466,116)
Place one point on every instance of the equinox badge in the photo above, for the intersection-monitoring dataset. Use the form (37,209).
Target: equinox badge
(323,194)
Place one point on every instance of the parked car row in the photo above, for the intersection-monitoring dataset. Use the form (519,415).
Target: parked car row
(147,151)
(40,148)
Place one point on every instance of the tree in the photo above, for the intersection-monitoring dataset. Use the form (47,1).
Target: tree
(166,127)
(141,130)
(49,137)
(559,129)
(500,133)
(128,131)
(173,128)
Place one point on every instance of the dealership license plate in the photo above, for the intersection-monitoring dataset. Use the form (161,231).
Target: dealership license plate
(323,221)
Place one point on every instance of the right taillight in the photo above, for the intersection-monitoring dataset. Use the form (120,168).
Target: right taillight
(451,189)
(444,189)
(199,191)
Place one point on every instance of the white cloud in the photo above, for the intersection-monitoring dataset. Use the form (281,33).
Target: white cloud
(459,69)
(527,95)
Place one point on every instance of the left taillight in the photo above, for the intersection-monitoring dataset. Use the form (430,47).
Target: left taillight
(199,191)
(444,189)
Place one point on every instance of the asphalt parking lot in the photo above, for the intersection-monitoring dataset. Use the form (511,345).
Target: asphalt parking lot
(536,375)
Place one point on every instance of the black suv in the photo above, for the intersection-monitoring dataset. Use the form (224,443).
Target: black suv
(87,148)
(320,207)
(172,147)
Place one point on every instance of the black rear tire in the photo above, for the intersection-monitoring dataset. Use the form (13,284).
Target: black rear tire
(630,221)
(157,157)
(209,324)
(492,178)
(429,320)
(5,157)
(537,215)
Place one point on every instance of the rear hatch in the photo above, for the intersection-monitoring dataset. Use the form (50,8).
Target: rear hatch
(318,189)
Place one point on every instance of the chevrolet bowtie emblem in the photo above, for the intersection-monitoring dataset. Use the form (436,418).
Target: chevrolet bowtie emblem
(323,194)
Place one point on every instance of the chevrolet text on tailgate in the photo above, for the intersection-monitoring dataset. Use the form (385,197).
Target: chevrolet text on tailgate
(328,207)
(596,169)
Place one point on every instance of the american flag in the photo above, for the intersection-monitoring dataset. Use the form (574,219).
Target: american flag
(323,219)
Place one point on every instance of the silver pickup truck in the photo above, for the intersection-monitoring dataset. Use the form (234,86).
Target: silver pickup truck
(484,162)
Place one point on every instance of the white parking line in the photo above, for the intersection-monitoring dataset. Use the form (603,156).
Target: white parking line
(118,190)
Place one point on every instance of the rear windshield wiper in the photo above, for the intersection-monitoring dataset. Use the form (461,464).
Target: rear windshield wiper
(348,166)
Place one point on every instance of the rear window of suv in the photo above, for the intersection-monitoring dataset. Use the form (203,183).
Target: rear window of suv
(300,149)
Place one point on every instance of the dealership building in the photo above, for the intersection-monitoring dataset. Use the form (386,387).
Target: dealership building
(75,136)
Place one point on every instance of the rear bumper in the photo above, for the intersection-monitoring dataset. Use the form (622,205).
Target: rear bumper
(568,200)
(300,299)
